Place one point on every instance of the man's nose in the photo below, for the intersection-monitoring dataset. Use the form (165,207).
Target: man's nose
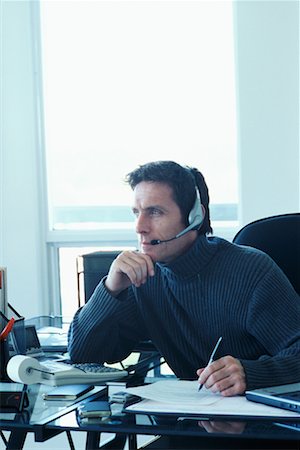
(142,224)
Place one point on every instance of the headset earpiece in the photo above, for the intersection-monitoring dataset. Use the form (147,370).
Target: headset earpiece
(196,214)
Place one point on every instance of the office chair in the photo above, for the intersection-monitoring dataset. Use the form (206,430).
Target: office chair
(279,237)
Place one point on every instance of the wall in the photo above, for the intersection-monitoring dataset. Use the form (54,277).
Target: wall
(267,52)
(22,246)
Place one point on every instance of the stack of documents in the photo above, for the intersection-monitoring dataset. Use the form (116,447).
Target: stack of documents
(181,397)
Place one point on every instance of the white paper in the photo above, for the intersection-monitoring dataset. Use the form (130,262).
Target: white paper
(183,397)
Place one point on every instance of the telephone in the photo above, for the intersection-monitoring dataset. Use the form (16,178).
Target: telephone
(58,373)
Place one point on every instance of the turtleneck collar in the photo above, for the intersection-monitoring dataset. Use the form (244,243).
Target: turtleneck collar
(194,260)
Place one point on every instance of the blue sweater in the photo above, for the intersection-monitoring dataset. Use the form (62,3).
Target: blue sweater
(215,289)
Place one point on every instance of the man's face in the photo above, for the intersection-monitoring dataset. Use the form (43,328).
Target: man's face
(159,217)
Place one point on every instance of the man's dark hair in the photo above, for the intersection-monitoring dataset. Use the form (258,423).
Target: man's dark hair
(182,181)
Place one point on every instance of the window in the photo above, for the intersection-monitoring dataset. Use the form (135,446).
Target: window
(126,82)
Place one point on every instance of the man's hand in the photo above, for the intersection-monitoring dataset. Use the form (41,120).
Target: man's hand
(130,267)
(225,375)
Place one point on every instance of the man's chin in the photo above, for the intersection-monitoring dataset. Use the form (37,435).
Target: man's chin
(148,249)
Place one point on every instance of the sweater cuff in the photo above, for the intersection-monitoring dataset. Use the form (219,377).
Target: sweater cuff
(271,371)
(122,296)
(255,375)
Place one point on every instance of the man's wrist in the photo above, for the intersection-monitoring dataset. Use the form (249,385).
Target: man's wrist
(113,293)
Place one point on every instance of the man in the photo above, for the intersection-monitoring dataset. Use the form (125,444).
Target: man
(183,290)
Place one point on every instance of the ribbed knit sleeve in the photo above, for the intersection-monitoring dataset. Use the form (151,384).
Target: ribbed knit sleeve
(106,329)
(274,320)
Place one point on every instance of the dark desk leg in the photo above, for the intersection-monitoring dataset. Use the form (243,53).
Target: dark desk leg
(132,442)
(3,438)
(92,440)
(117,443)
(70,440)
(16,440)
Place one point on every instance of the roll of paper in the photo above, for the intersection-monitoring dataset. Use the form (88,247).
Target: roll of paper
(24,369)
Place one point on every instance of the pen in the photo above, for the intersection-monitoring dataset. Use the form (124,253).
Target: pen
(212,358)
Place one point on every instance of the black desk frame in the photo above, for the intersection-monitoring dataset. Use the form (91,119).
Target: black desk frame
(127,426)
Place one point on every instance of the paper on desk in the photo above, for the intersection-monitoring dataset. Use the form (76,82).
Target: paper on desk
(183,397)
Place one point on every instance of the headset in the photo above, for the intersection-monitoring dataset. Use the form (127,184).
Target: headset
(195,218)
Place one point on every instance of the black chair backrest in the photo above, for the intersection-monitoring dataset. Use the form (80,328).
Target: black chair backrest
(95,266)
(279,237)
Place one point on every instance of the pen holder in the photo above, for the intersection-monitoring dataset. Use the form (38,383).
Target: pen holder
(4,357)
(17,336)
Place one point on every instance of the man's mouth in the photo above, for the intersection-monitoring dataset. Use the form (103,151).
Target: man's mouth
(144,243)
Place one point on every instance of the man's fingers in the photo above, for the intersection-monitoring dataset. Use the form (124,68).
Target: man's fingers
(199,371)
(210,371)
(136,266)
(130,267)
(225,375)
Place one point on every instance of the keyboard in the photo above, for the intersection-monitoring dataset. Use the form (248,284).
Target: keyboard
(58,373)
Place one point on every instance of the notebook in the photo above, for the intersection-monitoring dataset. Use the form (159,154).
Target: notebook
(286,396)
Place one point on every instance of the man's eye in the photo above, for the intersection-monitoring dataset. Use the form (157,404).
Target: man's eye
(155,212)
